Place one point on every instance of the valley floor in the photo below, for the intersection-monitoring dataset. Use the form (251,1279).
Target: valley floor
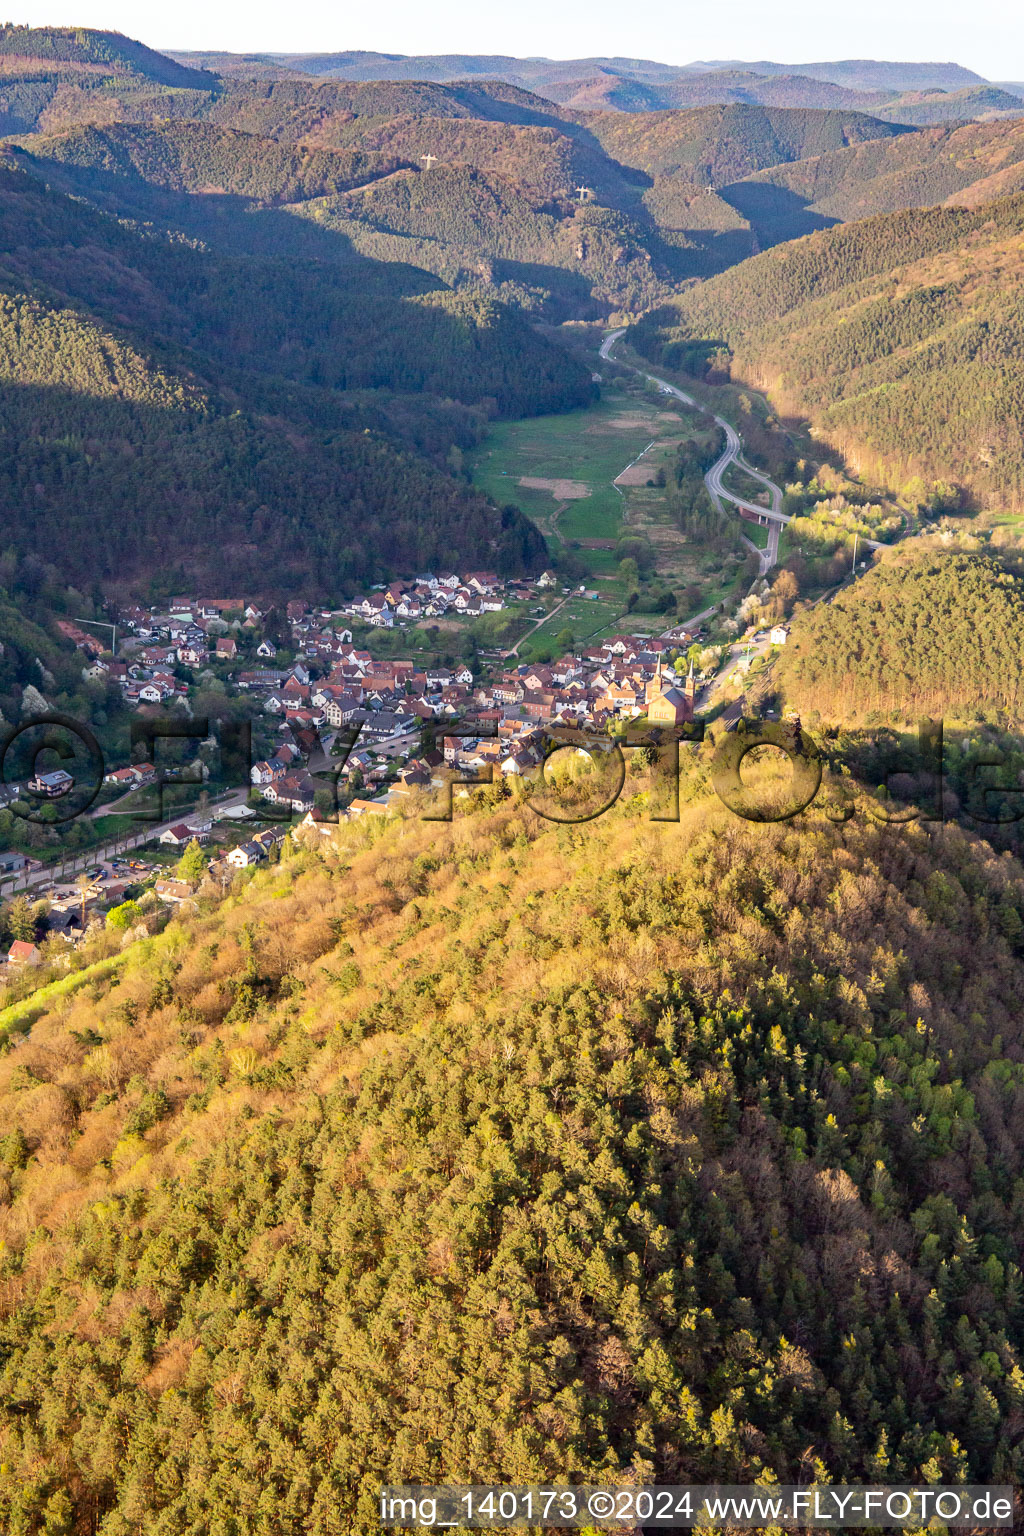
(591,478)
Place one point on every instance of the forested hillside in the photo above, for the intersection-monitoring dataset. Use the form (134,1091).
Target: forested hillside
(927,632)
(125,473)
(682,193)
(544,160)
(971,163)
(974,101)
(477,230)
(80,50)
(713,87)
(506,1150)
(34,656)
(542,153)
(291,109)
(900,338)
(393,237)
(140,398)
(498,217)
(723,144)
(680,1153)
(200,157)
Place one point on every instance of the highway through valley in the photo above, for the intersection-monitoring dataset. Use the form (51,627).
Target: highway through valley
(733,454)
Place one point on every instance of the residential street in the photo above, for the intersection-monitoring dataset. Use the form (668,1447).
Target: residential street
(93,856)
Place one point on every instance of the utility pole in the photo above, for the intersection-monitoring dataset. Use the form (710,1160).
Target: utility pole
(585,193)
(428,160)
(855,537)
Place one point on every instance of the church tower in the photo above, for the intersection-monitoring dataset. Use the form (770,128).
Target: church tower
(656,687)
(690,689)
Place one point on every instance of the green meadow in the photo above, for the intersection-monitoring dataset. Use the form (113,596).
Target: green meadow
(589,448)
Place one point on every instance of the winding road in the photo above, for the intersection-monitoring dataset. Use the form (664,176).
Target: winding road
(733,454)
(719,492)
(717,489)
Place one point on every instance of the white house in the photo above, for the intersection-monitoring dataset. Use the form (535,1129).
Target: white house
(182,833)
(245,854)
(263,773)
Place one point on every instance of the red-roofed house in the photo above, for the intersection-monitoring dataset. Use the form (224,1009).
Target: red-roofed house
(23,953)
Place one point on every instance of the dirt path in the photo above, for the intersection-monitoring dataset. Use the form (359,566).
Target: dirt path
(556,609)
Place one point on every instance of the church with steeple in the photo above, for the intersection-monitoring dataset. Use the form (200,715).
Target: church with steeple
(670,705)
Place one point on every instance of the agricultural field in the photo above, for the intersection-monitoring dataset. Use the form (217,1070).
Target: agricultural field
(587,618)
(589,479)
(585,478)
(562,470)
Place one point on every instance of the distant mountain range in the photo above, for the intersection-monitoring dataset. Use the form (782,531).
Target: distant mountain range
(864,74)
(406,244)
(909,93)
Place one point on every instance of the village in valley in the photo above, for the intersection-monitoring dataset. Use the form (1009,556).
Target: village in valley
(332,682)
(339,730)
(355,708)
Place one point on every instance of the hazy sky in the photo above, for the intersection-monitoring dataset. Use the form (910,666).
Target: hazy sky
(985,35)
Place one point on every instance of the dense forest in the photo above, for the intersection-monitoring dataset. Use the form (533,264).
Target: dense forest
(200,157)
(504,1150)
(928,631)
(723,144)
(80,49)
(475,229)
(496,215)
(544,154)
(139,396)
(959,163)
(899,337)
(608,89)
(737,133)
(500,211)
(191,156)
(346,324)
(690,503)
(507,1151)
(110,460)
(395,238)
(920,109)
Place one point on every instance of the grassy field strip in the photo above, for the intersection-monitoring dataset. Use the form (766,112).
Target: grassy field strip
(19,1017)
(588,447)
(593,451)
